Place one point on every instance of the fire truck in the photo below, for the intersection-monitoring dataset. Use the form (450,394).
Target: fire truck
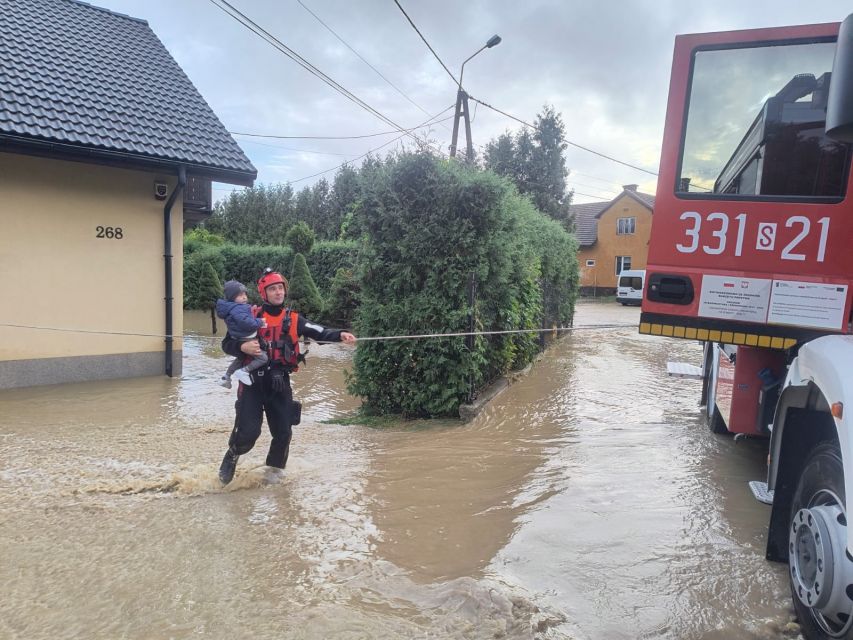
(751,253)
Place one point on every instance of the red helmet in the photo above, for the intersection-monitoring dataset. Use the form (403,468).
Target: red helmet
(270,278)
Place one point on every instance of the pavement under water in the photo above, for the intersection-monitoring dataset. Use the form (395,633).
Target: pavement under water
(586,501)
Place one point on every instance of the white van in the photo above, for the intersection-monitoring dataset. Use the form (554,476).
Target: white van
(630,287)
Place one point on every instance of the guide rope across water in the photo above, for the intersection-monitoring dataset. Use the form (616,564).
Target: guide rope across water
(414,336)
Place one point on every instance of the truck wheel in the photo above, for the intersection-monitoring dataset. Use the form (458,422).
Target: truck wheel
(712,415)
(820,568)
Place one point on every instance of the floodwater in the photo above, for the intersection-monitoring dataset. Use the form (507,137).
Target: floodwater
(586,501)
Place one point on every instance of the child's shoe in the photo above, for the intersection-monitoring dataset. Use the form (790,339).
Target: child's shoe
(243,376)
(225,382)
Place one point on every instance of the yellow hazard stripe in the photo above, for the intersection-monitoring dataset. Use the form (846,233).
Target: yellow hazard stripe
(714,335)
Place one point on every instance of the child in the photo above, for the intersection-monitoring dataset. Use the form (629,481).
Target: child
(243,326)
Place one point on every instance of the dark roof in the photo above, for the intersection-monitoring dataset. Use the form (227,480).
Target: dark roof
(586,215)
(586,221)
(79,80)
(644,198)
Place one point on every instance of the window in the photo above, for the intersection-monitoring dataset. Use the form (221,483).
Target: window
(631,282)
(623,263)
(625,226)
(755,121)
(590,263)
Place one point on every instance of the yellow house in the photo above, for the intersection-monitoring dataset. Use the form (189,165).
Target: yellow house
(613,237)
(105,147)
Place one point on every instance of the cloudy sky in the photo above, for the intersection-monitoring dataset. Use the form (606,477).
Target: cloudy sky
(603,64)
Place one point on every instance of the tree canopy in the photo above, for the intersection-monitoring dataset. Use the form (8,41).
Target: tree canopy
(535,162)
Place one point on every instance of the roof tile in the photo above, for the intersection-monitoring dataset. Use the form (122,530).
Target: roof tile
(84,75)
(586,215)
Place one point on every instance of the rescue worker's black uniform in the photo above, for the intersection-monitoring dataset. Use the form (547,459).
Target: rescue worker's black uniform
(269,393)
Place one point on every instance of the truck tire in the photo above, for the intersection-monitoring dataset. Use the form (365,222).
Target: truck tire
(819,567)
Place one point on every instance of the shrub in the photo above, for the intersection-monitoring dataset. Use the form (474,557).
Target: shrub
(327,259)
(431,227)
(343,299)
(300,238)
(303,295)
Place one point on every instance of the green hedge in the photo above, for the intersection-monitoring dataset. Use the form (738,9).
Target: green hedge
(245,263)
(429,224)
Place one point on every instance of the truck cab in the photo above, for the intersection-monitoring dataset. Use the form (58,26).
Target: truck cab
(750,255)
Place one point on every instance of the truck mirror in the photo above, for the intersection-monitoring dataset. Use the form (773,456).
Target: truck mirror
(839,108)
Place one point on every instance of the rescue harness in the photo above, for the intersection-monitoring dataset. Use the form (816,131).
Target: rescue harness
(280,339)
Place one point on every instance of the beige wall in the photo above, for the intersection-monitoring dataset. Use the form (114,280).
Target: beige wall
(57,273)
(609,244)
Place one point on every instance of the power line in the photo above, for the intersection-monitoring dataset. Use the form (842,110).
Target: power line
(255,28)
(573,172)
(591,186)
(278,146)
(319,173)
(574,144)
(264,135)
(414,26)
(360,57)
(250,24)
(588,195)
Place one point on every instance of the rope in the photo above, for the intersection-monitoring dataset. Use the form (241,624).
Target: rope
(415,336)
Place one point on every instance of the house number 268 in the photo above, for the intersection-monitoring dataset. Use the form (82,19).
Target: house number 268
(113,233)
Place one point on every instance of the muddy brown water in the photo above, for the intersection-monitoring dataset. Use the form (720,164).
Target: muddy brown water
(586,501)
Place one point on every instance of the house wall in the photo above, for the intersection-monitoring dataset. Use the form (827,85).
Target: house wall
(602,277)
(57,273)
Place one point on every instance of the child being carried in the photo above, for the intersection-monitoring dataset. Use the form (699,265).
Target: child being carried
(243,326)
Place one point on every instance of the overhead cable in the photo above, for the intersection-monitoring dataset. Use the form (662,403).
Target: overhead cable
(590,186)
(588,195)
(569,142)
(360,57)
(429,46)
(227,8)
(265,135)
(426,122)
(278,146)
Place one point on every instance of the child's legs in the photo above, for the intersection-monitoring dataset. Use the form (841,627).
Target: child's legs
(236,363)
(257,363)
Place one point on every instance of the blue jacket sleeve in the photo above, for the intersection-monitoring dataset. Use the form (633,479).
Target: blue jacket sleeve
(244,320)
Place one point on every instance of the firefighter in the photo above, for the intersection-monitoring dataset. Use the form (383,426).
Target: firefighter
(270,391)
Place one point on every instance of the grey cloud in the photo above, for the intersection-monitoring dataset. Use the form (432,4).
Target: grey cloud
(603,64)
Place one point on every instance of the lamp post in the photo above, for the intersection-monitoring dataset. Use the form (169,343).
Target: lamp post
(462,104)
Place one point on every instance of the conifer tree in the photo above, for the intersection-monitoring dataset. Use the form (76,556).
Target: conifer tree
(209,289)
(536,163)
(300,238)
(303,295)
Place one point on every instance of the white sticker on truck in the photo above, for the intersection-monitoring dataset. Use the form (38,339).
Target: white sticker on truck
(807,304)
(732,298)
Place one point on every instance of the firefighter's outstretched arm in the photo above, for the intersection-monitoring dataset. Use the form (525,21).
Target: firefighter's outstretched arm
(320,333)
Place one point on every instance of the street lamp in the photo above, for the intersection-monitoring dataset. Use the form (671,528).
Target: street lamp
(492,42)
(462,103)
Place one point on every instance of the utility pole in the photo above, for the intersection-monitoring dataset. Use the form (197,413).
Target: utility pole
(462,111)
(462,107)
(456,115)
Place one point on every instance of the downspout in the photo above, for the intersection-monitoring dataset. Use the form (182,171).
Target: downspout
(167,255)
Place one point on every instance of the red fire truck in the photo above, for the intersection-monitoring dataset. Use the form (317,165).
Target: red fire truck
(752,253)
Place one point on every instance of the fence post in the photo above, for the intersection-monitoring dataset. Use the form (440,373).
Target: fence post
(544,324)
(469,339)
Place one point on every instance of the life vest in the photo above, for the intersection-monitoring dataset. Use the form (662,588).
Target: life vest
(282,338)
